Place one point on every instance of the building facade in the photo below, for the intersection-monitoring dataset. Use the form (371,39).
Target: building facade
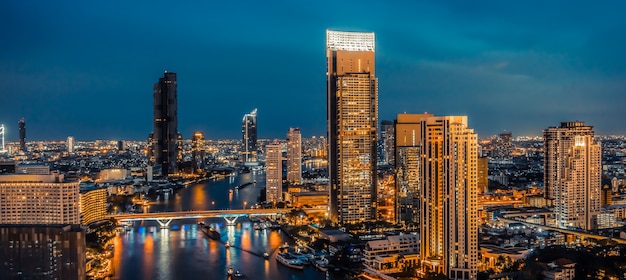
(197,150)
(352,95)
(572,174)
(294,156)
(387,136)
(448,197)
(27,199)
(396,253)
(165,134)
(273,173)
(249,135)
(69,145)
(93,206)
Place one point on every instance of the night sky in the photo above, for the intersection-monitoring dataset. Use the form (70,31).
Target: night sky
(87,68)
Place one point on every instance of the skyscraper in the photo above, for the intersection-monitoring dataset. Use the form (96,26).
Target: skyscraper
(407,162)
(572,174)
(294,156)
(273,172)
(387,136)
(448,196)
(69,145)
(503,146)
(165,134)
(248,133)
(197,149)
(22,127)
(352,107)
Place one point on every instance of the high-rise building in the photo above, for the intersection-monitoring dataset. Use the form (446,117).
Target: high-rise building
(407,162)
(197,149)
(294,156)
(69,145)
(352,107)
(448,197)
(22,128)
(165,137)
(40,233)
(248,132)
(387,136)
(503,146)
(120,146)
(273,172)
(572,174)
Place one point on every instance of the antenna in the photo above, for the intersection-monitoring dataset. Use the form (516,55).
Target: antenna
(2,134)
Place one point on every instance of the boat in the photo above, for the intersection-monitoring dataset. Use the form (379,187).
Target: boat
(237,274)
(230,271)
(227,244)
(243,186)
(257,226)
(289,261)
(302,257)
(266,255)
(322,265)
(211,233)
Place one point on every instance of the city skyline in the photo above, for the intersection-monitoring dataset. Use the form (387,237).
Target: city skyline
(70,65)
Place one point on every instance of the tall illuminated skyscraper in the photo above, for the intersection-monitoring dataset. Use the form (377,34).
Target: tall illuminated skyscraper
(165,134)
(249,135)
(448,196)
(572,174)
(273,172)
(69,145)
(294,156)
(407,171)
(22,128)
(387,136)
(352,97)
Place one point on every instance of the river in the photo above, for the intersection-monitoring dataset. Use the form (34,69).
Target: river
(183,251)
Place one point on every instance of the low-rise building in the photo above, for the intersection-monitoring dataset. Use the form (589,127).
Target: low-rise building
(394,254)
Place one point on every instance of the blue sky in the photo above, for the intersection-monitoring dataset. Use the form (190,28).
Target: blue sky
(86,68)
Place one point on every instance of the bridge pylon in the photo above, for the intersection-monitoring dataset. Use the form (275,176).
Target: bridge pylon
(164,223)
(230,221)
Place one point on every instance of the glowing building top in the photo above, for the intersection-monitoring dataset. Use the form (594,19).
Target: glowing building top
(350,41)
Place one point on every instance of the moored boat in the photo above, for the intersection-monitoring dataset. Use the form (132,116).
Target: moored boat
(211,232)
(289,261)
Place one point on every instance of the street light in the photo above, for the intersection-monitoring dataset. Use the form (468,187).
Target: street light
(244,204)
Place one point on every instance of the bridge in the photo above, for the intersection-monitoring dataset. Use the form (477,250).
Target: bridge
(165,218)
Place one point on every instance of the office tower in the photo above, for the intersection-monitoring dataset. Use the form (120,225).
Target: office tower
(197,150)
(503,146)
(273,172)
(120,146)
(407,176)
(165,134)
(179,148)
(22,127)
(572,174)
(448,198)
(483,174)
(69,145)
(294,156)
(248,132)
(606,195)
(352,107)
(387,136)
(2,149)
(40,234)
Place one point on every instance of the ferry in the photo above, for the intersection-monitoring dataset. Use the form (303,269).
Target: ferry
(211,232)
(289,261)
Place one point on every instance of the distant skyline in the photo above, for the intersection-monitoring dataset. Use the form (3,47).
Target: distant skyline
(87,69)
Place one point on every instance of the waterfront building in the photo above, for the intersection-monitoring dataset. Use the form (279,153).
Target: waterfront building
(29,199)
(197,149)
(448,196)
(407,162)
(396,253)
(572,174)
(93,205)
(352,107)
(69,145)
(165,136)
(22,130)
(387,135)
(249,135)
(294,156)
(273,173)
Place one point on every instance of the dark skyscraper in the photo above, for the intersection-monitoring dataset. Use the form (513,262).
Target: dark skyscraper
(165,134)
(22,125)
(249,135)
(352,96)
